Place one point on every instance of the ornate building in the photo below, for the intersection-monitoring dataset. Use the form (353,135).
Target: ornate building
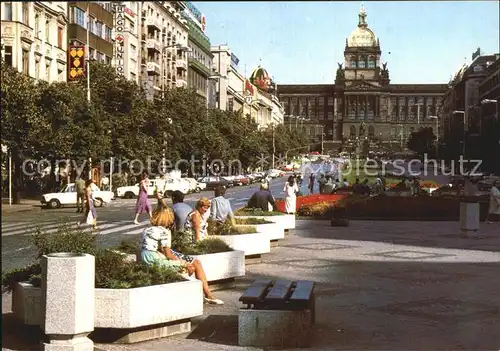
(362,104)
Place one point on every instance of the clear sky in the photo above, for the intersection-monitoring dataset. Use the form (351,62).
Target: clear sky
(301,42)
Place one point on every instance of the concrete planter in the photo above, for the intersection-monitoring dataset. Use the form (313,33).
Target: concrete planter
(223,265)
(273,230)
(250,244)
(286,221)
(123,308)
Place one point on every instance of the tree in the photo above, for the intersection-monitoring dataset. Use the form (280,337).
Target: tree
(422,141)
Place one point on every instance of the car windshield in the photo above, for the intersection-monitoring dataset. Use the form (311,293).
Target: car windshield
(63,188)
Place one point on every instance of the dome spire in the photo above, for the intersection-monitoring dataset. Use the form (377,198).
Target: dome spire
(362,17)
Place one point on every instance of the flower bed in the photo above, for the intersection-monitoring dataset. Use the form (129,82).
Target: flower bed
(388,207)
(285,221)
(311,199)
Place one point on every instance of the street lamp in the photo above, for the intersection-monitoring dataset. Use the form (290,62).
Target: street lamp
(456,112)
(164,159)
(437,134)
(401,135)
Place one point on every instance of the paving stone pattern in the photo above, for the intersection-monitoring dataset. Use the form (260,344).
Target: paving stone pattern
(380,286)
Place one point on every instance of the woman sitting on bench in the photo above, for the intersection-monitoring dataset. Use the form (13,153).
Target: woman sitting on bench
(155,249)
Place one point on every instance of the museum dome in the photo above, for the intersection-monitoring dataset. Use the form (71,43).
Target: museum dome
(362,36)
(261,78)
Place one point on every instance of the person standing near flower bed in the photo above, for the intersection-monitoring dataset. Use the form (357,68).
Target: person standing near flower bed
(312,179)
(494,209)
(90,211)
(262,199)
(290,190)
(155,243)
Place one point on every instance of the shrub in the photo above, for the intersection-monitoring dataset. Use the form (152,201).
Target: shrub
(10,278)
(207,246)
(227,228)
(251,221)
(129,246)
(245,211)
(314,210)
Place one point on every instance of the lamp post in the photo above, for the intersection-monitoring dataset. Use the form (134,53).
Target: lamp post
(401,135)
(165,143)
(437,134)
(274,145)
(464,121)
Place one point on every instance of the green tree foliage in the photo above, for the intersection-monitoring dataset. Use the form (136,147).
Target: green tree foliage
(56,121)
(422,141)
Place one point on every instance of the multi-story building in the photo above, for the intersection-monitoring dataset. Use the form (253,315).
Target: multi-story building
(91,24)
(362,104)
(489,98)
(34,38)
(200,61)
(164,46)
(252,96)
(461,115)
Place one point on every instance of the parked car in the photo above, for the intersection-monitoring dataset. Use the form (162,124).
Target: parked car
(165,186)
(67,197)
(195,186)
(213,182)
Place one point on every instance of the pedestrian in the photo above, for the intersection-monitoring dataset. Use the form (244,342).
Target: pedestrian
(290,190)
(262,199)
(494,209)
(80,194)
(322,181)
(142,205)
(220,209)
(90,211)
(312,179)
(105,183)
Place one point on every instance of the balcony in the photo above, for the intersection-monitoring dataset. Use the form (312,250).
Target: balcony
(180,83)
(181,64)
(153,68)
(153,45)
(153,22)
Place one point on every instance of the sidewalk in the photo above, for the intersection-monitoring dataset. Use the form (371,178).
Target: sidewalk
(24,206)
(380,286)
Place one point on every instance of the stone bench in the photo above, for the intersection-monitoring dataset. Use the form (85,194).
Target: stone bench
(278,313)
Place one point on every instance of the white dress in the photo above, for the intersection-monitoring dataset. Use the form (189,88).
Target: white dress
(494,201)
(290,197)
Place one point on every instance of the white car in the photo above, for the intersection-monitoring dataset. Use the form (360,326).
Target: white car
(165,186)
(195,186)
(67,197)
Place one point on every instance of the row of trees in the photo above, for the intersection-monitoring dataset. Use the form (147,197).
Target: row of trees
(56,121)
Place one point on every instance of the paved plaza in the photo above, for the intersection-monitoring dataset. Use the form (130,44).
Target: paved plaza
(380,286)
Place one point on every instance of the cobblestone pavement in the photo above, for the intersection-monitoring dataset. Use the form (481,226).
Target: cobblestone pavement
(380,286)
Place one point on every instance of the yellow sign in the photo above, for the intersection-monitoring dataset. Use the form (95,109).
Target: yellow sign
(76,62)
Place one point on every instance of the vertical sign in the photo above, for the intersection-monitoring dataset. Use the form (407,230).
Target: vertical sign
(76,57)
(119,39)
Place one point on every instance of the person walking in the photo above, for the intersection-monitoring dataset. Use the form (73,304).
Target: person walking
(143,205)
(290,190)
(262,199)
(80,194)
(312,179)
(494,209)
(90,211)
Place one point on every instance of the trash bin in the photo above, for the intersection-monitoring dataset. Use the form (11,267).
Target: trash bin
(469,216)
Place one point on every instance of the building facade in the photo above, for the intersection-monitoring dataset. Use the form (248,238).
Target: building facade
(253,96)
(200,59)
(164,46)
(362,104)
(34,38)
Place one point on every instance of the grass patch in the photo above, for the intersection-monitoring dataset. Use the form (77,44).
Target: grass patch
(245,211)
(251,221)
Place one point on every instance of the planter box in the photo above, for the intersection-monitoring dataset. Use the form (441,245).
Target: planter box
(123,308)
(286,221)
(223,265)
(273,230)
(251,244)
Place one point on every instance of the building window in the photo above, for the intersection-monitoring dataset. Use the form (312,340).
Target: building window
(352,62)
(90,24)
(107,33)
(26,62)
(321,107)
(92,54)
(99,57)
(133,76)
(47,29)
(60,37)
(230,103)
(8,55)
(371,62)
(37,68)
(60,75)
(394,133)
(352,132)
(98,27)
(37,25)
(25,13)
(371,132)
(361,62)
(411,108)
(394,109)
(7,11)
(107,60)
(47,70)
(79,17)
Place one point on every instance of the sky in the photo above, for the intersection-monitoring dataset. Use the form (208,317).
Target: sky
(300,42)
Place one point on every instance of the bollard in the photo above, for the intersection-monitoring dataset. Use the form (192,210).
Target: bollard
(469,217)
(68,281)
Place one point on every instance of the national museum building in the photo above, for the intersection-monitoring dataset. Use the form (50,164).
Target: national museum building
(362,104)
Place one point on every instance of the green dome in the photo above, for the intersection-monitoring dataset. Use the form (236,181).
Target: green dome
(261,78)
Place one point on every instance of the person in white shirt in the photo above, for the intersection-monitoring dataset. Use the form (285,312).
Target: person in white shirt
(290,190)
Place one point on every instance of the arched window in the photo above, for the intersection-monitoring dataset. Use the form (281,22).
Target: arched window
(352,62)
(352,132)
(371,132)
(371,62)
(362,62)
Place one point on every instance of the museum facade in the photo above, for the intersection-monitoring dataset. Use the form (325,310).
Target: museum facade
(362,104)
